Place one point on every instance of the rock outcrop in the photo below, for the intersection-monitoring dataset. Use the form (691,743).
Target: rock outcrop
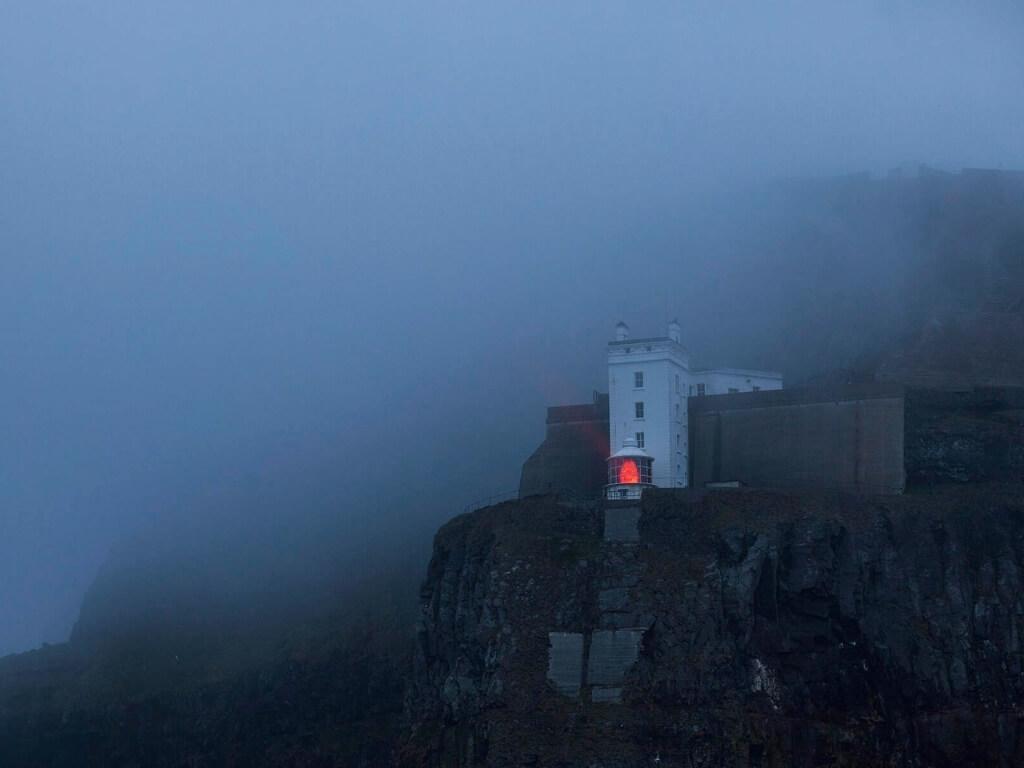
(964,436)
(737,629)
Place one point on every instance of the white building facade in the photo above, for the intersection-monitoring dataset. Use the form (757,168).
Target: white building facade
(649,382)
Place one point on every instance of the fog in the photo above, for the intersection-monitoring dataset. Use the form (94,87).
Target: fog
(271,267)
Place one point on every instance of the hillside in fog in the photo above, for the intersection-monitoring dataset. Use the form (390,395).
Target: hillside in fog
(912,280)
(566,385)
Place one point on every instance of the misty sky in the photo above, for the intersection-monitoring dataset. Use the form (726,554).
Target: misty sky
(341,255)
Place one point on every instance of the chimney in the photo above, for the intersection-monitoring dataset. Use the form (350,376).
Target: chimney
(621,331)
(675,331)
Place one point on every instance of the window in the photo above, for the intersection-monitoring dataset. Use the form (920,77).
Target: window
(677,383)
(757,388)
(701,389)
(733,390)
(639,439)
(677,411)
(691,390)
(638,379)
(677,439)
(638,409)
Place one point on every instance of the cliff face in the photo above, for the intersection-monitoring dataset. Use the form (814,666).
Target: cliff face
(726,629)
(733,628)
(332,700)
(964,436)
(180,691)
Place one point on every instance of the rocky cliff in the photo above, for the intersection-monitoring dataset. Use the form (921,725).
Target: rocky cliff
(327,693)
(725,629)
(964,436)
(336,701)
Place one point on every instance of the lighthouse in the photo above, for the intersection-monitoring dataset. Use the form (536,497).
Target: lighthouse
(629,471)
(650,383)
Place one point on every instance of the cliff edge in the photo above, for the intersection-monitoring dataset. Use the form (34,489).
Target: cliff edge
(726,628)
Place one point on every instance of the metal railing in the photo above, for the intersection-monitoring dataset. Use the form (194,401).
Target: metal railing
(487,501)
(660,480)
(562,495)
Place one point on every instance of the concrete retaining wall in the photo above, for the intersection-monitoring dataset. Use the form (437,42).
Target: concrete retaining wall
(848,438)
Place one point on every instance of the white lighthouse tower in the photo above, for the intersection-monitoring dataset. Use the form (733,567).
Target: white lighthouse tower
(649,385)
(648,381)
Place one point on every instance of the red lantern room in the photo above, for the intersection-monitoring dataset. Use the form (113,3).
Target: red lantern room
(629,472)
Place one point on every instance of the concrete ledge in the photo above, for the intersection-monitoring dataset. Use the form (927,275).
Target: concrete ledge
(606,695)
(565,662)
(612,653)
(622,524)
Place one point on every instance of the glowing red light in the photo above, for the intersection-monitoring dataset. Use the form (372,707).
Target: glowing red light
(628,472)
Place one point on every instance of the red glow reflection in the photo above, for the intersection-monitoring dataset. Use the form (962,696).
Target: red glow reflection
(628,472)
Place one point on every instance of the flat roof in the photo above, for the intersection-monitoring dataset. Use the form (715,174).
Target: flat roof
(771,398)
(741,372)
(651,340)
(576,414)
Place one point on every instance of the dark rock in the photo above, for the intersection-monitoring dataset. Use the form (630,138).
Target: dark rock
(969,435)
(783,630)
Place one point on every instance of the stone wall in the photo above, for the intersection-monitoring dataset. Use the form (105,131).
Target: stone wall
(866,438)
(847,438)
(572,457)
